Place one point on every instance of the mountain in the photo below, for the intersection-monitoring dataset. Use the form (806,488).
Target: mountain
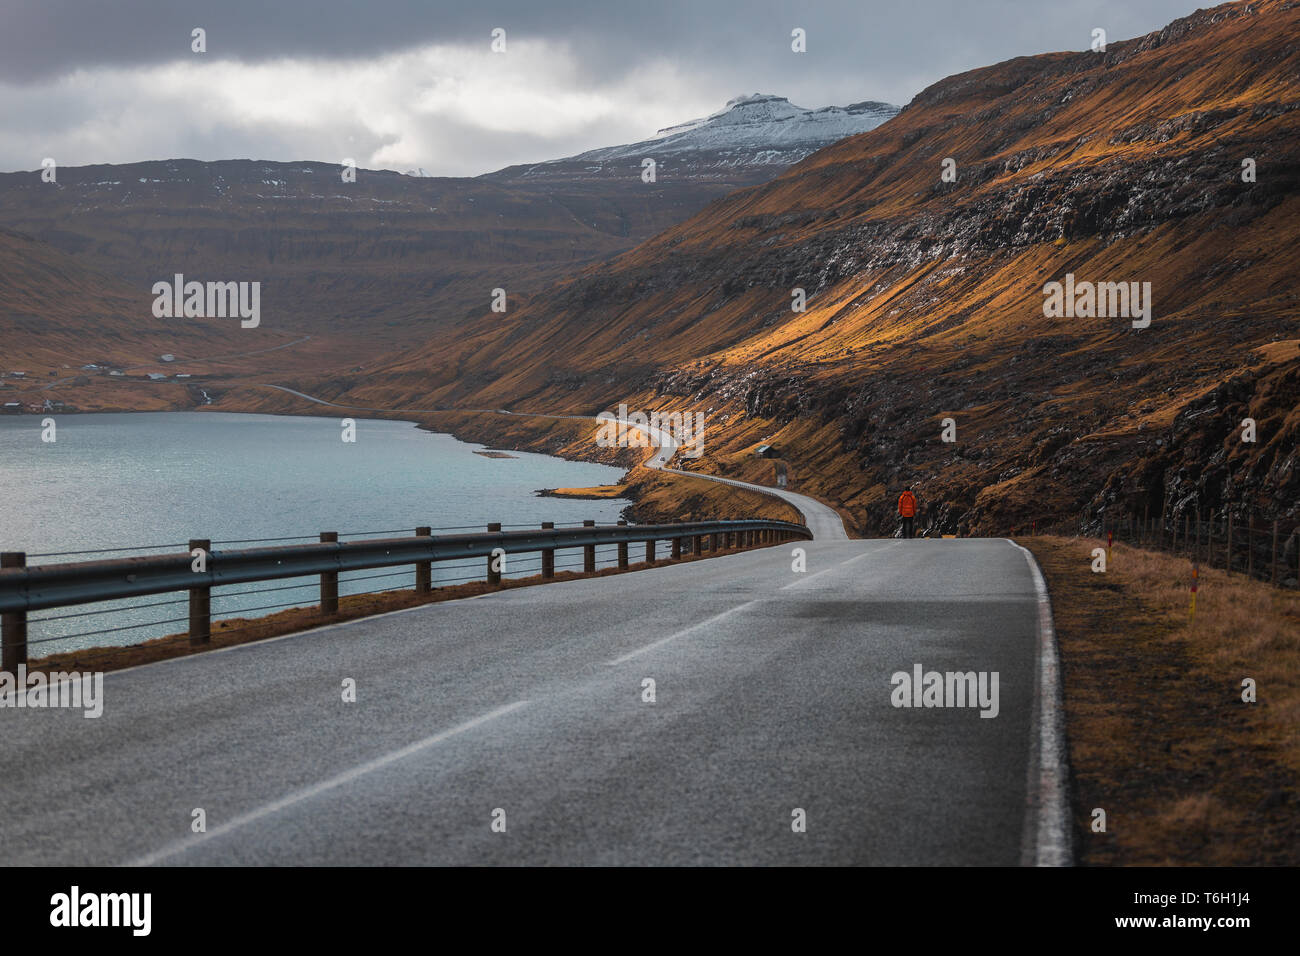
(1171,159)
(55,311)
(744,143)
(390,259)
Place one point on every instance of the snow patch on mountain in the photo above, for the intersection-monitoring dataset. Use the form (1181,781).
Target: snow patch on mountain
(769,128)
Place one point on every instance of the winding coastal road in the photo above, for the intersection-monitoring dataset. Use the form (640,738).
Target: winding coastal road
(770,738)
(740,709)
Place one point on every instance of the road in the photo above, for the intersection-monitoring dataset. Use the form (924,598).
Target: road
(772,694)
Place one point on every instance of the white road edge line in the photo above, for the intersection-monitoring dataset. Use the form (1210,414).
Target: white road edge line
(307,793)
(1045,840)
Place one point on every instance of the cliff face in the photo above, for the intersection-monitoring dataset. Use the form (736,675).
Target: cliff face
(925,297)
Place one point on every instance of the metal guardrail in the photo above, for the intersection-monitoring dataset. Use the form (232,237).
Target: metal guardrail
(198,571)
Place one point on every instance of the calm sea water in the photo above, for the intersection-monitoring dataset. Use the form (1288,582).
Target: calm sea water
(135,480)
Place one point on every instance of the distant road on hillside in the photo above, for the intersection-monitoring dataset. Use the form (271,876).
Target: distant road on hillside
(823,521)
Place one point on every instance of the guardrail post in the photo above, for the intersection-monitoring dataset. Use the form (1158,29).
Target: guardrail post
(649,552)
(493,576)
(714,542)
(677,549)
(548,554)
(329,580)
(697,545)
(622,550)
(13,624)
(201,599)
(423,569)
(589,552)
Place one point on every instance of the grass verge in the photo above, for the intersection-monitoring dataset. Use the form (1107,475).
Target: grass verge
(1159,735)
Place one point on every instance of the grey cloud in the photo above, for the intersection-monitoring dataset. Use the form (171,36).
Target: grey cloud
(856,51)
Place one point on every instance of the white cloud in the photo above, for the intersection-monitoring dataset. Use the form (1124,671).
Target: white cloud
(453,109)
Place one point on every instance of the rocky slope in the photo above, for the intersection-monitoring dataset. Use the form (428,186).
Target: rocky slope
(926,297)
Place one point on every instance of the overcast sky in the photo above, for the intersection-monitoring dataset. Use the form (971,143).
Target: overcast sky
(397,84)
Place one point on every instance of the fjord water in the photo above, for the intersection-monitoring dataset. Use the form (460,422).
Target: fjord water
(131,480)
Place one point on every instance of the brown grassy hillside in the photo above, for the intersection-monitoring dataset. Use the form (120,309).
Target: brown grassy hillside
(925,298)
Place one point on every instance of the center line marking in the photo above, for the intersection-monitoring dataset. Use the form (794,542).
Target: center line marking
(315,789)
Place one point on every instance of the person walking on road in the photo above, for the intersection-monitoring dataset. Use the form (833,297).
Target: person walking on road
(907,511)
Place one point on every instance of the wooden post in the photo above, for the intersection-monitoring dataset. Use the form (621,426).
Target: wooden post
(1274,575)
(1250,545)
(622,550)
(548,554)
(714,542)
(698,547)
(1146,523)
(1161,542)
(13,624)
(677,549)
(423,569)
(649,552)
(589,552)
(493,575)
(1229,555)
(200,598)
(329,580)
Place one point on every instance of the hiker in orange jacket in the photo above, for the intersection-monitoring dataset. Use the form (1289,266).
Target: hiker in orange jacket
(907,511)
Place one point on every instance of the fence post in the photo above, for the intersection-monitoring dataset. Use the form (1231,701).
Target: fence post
(713,542)
(329,580)
(622,550)
(13,624)
(493,576)
(1250,545)
(650,551)
(1273,579)
(423,569)
(1161,543)
(201,599)
(677,549)
(1229,557)
(548,554)
(589,552)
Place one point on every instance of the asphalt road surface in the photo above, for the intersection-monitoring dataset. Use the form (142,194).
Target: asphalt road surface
(772,695)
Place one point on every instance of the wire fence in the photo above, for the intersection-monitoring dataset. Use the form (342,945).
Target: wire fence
(1267,550)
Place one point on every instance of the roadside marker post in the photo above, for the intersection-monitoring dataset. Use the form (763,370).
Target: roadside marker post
(1196,571)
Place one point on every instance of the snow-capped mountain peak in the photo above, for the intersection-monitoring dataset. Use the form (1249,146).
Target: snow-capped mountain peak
(755,129)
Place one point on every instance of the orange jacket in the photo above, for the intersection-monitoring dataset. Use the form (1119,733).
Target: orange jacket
(907,505)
